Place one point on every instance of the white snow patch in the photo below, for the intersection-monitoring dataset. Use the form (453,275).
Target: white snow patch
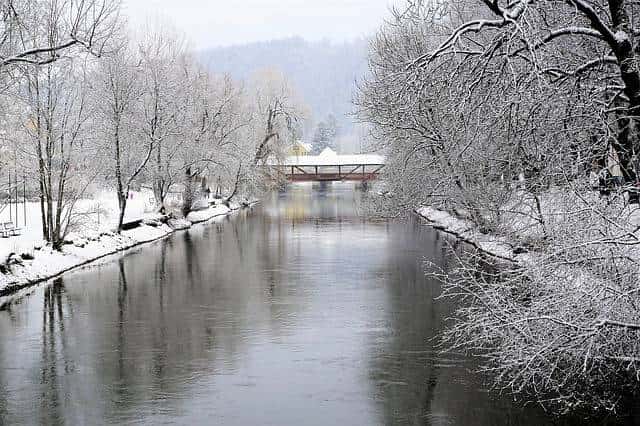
(211,212)
(466,231)
(48,262)
(177,224)
(621,37)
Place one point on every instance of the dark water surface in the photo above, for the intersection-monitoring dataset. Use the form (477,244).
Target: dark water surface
(297,312)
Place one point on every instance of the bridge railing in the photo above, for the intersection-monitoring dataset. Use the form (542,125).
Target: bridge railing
(328,172)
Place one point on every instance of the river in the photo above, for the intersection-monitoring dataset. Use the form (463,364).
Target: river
(296,312)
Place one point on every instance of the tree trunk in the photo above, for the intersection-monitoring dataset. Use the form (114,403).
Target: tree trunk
(624,49)
(262,152)
(189,193)
(122,197)
(122,204)
(159,183)
(43,215)
(236,184)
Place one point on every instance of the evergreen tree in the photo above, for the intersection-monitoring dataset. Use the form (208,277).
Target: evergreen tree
(326,134)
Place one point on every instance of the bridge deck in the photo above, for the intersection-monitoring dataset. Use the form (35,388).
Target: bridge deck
(329,166)
(329,172)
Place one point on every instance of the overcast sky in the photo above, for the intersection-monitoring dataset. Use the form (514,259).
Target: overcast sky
(224,22)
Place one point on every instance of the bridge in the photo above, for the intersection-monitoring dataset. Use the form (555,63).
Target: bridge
(329,166)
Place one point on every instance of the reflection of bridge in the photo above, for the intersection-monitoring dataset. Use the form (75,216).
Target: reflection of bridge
(329,166)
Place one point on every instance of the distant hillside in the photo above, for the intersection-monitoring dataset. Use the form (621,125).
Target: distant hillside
(323,72)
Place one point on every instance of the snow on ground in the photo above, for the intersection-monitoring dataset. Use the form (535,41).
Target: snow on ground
(93,216)
(204,215)
(48,262)
(466,231)
(93,239)
(520,222)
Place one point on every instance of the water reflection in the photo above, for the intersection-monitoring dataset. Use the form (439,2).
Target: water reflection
(298,312)
(54,351)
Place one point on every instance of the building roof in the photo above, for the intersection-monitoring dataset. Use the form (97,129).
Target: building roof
(307,146)
(327,152)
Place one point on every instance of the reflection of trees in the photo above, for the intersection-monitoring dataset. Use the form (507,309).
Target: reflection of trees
(403,371)
(122,392)
(414,381)
(54,352)
(191,258)
(158,320)
(4,382)
(4,391)
(181,308)
(160,272)
(160,336)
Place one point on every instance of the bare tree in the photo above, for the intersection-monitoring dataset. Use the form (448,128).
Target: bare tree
(57,123)
(216,126)
(119,91)
(565,43)
(165,92)
(38,32)
(277,110)
(497,112)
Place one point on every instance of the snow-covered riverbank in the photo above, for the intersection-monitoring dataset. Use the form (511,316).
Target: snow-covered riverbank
(22,270)
(466,231)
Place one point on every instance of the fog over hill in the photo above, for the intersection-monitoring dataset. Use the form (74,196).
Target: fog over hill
(323,72)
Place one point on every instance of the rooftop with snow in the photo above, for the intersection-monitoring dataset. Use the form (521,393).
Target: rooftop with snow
(329,157)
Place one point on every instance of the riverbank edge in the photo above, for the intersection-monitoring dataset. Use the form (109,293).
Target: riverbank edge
(464,230)
(26,275)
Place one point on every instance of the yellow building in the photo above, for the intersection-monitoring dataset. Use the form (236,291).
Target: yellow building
(300,148)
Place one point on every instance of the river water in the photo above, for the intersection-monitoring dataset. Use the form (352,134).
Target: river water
(296,312)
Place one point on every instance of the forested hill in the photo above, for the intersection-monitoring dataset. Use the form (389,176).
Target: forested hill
(323,72)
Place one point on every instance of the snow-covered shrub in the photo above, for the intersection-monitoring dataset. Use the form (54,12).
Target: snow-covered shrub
(562,326)
(200,204)
(496,119)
